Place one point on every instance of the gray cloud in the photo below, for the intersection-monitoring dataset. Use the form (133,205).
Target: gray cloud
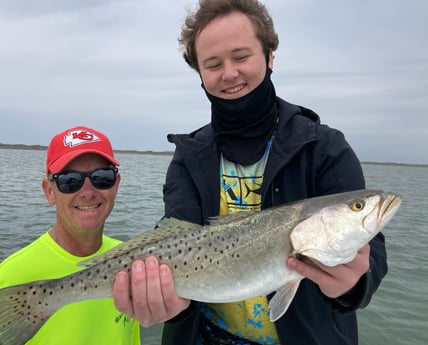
(116,65)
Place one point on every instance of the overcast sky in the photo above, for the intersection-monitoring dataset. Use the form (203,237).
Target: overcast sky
(116,66)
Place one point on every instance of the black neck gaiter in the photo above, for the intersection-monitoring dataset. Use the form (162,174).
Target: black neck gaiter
(243,126)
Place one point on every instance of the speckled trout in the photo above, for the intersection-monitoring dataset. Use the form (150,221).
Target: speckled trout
(234,258)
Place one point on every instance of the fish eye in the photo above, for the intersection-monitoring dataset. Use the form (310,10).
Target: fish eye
(357,205)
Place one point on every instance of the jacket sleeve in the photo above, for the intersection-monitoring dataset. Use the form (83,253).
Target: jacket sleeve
(180,195)
(339,170)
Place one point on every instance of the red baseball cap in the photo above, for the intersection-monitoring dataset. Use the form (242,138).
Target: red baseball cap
(73,142)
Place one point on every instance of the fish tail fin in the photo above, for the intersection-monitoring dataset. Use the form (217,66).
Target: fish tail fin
(22,313)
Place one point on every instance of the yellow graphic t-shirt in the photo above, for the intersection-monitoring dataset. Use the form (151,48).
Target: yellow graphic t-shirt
(249,319)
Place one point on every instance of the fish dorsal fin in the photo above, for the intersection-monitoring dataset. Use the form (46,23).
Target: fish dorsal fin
(234,218)
(165,228)
(280,302)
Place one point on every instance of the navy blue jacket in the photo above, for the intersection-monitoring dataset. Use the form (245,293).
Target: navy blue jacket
(307,159)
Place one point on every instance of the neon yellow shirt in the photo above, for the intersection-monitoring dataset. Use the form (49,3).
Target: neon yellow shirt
(82,323)
(249,319)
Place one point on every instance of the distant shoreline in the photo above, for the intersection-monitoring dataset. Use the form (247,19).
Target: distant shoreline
(170,153)
(44,148)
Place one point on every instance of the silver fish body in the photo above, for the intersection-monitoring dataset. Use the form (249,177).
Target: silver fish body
(236,257)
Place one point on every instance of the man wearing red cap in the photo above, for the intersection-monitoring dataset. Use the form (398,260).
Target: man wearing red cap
(81,180)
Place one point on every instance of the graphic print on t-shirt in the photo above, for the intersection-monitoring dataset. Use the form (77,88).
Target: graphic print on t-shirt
(242,193)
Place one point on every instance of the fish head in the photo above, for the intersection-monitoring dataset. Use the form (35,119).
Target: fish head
(335,233)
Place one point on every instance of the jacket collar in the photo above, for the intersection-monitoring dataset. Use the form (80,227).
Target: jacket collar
(297,126)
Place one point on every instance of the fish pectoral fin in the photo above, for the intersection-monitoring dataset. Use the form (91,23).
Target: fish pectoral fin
(280,302)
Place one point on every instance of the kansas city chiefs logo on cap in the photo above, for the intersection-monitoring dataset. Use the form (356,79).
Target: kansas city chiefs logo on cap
(79,137)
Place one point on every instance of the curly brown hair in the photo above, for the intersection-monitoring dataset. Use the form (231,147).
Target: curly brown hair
(211,9)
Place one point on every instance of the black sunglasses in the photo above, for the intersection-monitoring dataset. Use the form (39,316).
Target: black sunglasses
(72,181)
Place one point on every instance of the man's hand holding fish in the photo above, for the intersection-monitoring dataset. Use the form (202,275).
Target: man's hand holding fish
(334,281)
(154,299)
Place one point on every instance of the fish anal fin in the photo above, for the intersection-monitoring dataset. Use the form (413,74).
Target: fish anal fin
(280,302)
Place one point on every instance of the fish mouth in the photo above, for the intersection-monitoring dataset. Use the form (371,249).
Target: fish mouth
(389,205)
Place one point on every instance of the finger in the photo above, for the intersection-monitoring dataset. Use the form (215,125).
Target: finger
(365,249)
(333,271)
(155,298)
(139,292)
(364,253)
(312,272)
(361,263)
(328,282)
(121,297)
(167,283)
(173,303)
